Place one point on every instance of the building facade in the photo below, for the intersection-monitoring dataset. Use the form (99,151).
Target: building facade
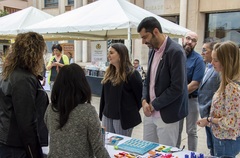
(208,18)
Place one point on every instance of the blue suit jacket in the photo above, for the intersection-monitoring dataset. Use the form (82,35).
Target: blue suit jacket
(206,90)
(170,83)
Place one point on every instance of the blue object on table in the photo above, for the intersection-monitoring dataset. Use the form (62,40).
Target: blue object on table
(201,155)
(137,146)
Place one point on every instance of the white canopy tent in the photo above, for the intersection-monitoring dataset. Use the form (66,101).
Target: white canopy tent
(101,20)
(10,25)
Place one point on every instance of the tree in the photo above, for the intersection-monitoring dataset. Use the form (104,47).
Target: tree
(3,13)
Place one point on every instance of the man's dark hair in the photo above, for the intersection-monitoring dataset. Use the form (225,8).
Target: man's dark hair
(210,41)
(149,23)
(136,60)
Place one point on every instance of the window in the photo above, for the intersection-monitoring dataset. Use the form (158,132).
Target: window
(174,19)
(224,26)
(10,10)
(90,1)
(70,2)
(51,3)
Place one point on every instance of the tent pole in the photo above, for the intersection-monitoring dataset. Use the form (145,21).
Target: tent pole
(130,44)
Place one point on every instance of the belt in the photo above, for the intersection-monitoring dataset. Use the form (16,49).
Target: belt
(192,96)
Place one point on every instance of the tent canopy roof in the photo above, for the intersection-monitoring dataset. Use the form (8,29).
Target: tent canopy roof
(11,24)
(101,20)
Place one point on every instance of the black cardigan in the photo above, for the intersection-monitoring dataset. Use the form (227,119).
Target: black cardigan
(129,97)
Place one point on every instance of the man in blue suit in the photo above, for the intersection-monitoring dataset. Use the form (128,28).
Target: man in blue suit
(207,88)
(165,96)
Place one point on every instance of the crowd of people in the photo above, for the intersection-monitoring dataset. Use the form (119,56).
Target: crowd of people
(180,84)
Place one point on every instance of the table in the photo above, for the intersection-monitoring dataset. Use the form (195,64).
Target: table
(95,84)
(112,151)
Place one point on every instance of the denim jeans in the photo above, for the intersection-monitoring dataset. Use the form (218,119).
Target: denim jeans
(12,152)
(226,147)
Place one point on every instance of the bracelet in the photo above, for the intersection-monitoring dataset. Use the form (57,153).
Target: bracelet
(211,119)
(208,120)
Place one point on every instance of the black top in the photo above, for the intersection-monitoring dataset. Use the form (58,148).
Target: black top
(54,70)
(112,103)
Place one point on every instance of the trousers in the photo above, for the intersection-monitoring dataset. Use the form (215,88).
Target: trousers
(155,130)
(226,147)
(114,126)
(209,140)
(12,152)
(191,125)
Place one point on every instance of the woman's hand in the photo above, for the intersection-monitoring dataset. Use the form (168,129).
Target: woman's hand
(54,64)
(202,122)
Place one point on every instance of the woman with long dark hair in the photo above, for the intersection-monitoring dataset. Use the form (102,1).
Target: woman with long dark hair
(121,94)
(73,123)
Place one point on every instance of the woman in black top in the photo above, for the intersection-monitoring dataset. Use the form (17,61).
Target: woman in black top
(121,94)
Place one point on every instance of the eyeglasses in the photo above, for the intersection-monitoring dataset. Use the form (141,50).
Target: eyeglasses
(192,39)
(135,63)
(204,50)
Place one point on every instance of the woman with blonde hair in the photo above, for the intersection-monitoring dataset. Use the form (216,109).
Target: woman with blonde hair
(23,100)
(121,94)
(224,118)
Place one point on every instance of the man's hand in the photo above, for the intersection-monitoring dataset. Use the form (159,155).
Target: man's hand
(147,108)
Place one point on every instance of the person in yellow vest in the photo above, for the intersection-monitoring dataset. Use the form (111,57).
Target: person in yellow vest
(55,63)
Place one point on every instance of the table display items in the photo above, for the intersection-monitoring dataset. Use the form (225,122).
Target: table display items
(95,70)
(126,147)
(137,146)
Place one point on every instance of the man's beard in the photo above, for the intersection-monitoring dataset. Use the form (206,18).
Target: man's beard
(153,43)
(188,48)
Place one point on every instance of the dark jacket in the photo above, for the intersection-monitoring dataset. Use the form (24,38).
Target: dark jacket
(23,103)
(129,95)
(170,83)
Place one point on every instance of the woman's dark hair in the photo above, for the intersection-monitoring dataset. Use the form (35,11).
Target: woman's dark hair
(69,90)
(57,46)
(125,66)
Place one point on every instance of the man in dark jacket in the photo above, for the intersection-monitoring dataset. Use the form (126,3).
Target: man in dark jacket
(165,97)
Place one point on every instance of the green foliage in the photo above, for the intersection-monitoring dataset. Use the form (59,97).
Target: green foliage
(3,13)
